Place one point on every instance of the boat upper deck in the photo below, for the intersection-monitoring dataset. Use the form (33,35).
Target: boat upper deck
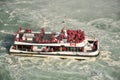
(65,36)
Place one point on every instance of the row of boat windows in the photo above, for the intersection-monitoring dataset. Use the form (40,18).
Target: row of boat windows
(66,49)
(52,48)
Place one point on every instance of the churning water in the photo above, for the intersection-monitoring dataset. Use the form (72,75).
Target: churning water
(100,18)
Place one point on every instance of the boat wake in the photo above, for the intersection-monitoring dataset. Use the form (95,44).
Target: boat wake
(6,32)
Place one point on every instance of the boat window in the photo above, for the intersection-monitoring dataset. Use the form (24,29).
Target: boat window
(72,48)
(91,42)
(68,49)
(75,49)
(40,46)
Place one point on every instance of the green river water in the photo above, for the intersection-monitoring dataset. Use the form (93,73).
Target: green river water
(100,18)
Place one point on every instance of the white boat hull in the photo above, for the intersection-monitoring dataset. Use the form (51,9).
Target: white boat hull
(63,54)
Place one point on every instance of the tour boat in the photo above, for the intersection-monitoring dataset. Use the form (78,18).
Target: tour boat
(64,44)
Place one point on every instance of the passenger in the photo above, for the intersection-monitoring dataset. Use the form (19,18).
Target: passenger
(82,49)
(64,48)
(30,30)
(16,39)
(51,49)
(21,40)
(37,39)
(43,31)
(20,29)
(60,49)
(26,30)
(53,38)
(48,41)
(46,49)
(32,48)
(58,41)
(94,48)
(43,41)
(25,38)
(14,47)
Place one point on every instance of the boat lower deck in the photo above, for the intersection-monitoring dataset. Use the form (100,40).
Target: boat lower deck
(47,56)
(44,55)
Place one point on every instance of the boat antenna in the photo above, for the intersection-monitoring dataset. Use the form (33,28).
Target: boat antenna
(64,23)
